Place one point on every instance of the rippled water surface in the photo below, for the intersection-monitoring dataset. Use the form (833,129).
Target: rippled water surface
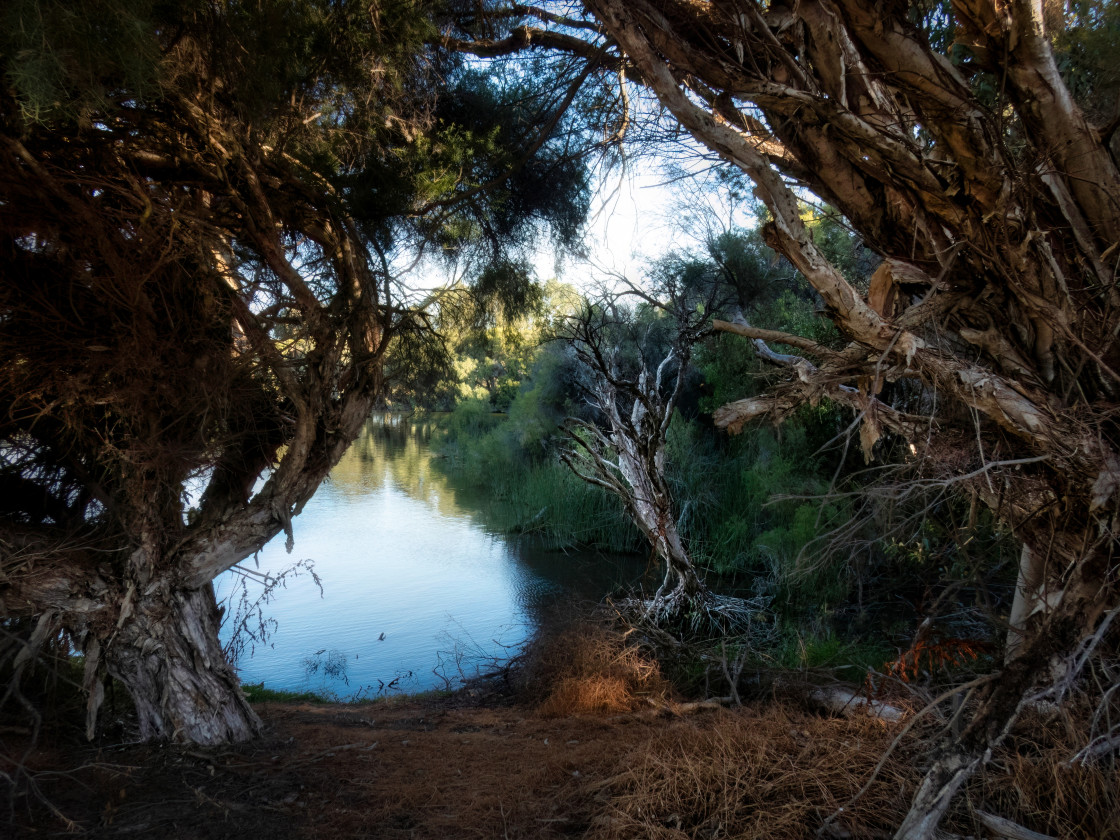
(416,593)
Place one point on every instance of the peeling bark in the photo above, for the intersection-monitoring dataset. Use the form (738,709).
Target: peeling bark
(168,657)
(998,224)
(627,457)
(1027,597)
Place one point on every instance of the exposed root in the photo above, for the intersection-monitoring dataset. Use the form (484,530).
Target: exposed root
(705,614)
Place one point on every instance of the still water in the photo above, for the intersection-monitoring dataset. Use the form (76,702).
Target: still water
(415,592)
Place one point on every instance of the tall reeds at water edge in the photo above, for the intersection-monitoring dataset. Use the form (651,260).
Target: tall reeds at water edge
(548,502)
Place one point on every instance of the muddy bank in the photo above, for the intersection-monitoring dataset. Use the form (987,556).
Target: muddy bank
(584,738)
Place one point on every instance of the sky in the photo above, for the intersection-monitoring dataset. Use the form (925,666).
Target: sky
(630,223)
(638,213)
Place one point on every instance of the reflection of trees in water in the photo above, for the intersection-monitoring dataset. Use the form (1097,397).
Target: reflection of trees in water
(394,448)
(582,577)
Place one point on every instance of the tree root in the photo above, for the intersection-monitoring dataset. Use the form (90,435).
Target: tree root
(701,614)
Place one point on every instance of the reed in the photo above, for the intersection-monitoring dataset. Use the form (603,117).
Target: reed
(522,486)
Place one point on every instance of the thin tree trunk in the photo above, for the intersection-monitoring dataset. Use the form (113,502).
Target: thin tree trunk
(686,585)
(1026,597)
(636,473)
(651,507)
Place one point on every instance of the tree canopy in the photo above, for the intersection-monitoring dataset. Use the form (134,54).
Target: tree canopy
(204,213)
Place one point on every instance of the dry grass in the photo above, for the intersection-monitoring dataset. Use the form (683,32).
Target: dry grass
(589,668)
(573,759)
(755,774)
(587,695)
(1031,782)
(432,770)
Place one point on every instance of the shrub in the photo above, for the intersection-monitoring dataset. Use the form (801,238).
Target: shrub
(588,668)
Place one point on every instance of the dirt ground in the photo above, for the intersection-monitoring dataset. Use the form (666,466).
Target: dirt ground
(437,768)
(601,753)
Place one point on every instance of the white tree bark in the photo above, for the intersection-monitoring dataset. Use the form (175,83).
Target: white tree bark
(168,656)
(1028,598)
(627,458)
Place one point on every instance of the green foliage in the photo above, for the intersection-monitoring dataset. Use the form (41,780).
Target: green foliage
(843,248)
(505,291)
(64,58)
(68,60)
(471,419)
(1086,39)
(747,265)
(355,96)
(754,509)
(731,512)
(730,370)
(726,489)
(747,504)
(492,337)
(802,648)
(487,131)
(734,517)
(511,457)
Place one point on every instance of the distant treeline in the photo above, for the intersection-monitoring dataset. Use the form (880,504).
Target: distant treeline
(791,513)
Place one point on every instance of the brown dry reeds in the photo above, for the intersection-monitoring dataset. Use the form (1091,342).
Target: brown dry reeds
(589,668)
(775,771)
(760,774)
(1032,781)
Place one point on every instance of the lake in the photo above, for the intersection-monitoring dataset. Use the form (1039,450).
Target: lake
(415,592)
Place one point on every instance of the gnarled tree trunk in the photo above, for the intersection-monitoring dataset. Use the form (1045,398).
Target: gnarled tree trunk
(626,455)
(185,378)
(169,658)
(638,444)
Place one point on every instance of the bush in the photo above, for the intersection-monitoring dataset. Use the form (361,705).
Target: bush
(587,668)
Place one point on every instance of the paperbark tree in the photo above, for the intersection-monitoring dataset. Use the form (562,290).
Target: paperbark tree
(199,204)
(633,397)
(953,145)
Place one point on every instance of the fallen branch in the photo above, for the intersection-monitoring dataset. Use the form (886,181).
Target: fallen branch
(1001,827)
(844,701)
(1097,749)
(660,707)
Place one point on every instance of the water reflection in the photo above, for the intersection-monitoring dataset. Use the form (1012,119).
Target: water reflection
(415,590)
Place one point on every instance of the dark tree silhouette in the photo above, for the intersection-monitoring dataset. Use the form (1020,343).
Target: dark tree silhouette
(199,209)
(950,140)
